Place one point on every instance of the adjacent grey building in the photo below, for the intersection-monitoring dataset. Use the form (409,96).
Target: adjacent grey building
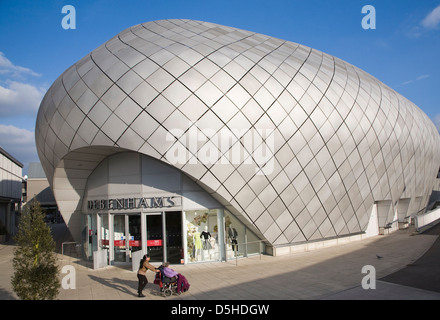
(11,178)
(38,188)
(195,142)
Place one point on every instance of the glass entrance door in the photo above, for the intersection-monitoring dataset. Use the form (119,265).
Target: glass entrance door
(155,237)
(127,236)
(173,221)
(134,234)
(120,249)
(164,237)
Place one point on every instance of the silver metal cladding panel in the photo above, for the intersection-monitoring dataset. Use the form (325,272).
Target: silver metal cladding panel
(343,140)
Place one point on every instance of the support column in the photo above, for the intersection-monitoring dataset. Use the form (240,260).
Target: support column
(184,237)
(144,232)
(111,245)
(164,237)
(221,234)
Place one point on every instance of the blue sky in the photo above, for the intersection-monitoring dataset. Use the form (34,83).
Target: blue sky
(403,51)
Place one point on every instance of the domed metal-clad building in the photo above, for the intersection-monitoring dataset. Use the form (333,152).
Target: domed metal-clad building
(197,142)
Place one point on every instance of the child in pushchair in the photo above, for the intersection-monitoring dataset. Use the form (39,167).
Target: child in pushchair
(170,281)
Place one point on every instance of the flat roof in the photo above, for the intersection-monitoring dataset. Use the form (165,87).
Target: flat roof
(36,171)
(7,155)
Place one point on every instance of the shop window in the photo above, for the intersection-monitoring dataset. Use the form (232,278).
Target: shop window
(92,242)
(240,241)
(205,242)
(105,235)
(235,236)
(202,235)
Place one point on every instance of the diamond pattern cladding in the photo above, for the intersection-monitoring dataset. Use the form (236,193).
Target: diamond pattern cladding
(343,139)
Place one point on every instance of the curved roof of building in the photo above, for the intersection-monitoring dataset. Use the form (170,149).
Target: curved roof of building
(342,140)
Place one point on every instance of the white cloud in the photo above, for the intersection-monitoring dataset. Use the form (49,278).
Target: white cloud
(432,20)
(419,78)
(17,97)
(423,76)
(20,99)
(7,67)
(415,29)
(20,143)
(414,32)
(13,135)
(19,103)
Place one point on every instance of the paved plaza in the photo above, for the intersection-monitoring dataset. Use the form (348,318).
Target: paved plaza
(406,270)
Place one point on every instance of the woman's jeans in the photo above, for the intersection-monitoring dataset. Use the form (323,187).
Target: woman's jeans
(142,282)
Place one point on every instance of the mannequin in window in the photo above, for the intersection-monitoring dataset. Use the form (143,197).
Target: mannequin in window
(233,236)
(197,243)
(206,243)
(206,237)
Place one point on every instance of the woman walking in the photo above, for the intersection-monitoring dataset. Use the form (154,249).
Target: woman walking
(144,265)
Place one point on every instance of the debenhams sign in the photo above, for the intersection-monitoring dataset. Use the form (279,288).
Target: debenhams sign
(135,203)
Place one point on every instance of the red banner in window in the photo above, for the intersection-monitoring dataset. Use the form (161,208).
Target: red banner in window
(121,243)
(132,243)
(135,243)
(154,243)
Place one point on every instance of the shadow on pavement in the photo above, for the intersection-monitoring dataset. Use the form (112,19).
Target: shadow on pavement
(6,295)
(117,284)
(423,273)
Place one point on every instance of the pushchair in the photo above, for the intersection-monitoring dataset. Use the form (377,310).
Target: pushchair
(169,286)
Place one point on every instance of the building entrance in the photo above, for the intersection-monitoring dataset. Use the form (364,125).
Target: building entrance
(174,237)
(127,236)
(155,241)
(152,216)
(158,234)
(164,237)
